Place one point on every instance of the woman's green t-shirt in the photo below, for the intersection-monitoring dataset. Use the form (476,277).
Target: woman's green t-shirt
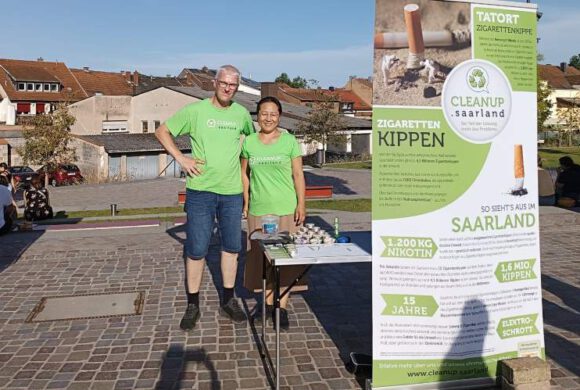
(271,185)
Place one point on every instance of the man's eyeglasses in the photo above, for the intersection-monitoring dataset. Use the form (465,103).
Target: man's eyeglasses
(225,85)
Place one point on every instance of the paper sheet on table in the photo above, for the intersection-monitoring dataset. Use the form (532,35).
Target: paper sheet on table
(334,250)
(277,252)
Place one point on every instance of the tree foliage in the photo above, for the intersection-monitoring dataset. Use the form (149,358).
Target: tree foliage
(569,116)
(575,61)
(323,124)
(544,103)
(296,82)
(47,138)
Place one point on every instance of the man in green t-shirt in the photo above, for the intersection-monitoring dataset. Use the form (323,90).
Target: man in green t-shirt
(214,186)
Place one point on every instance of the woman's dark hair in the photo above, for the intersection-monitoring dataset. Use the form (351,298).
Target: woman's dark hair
(270,99)
(3,165)
(4,181)
(35,181)
(566,161)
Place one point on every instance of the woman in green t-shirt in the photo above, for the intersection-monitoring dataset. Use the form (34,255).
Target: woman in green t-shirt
(273,185)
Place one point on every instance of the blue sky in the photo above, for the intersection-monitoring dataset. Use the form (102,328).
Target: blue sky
(324,40)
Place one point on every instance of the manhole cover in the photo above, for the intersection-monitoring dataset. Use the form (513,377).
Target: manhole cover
(87,306)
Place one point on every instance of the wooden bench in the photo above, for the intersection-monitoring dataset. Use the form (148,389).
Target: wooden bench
(318,192)
(312,192)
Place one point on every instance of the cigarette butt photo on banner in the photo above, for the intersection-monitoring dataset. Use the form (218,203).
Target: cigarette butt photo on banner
(416,45)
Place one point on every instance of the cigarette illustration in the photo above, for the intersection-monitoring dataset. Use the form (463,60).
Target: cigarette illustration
(519,166)
(519,172)
(445,38)
(414,36)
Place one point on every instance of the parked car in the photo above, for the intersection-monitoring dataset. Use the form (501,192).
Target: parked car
(61,175)
(22,176)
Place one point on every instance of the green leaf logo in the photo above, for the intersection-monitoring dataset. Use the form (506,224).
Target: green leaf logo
(477,79)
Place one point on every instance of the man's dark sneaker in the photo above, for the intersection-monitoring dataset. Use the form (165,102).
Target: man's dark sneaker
(284,323)
(233,311)
(190,317)
(258,314)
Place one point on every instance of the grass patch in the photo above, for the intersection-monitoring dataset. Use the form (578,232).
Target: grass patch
(351,165)
(353,205)
(120,212)
(550,156)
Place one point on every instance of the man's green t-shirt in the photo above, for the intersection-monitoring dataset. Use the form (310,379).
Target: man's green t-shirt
(215,138)
(271,185)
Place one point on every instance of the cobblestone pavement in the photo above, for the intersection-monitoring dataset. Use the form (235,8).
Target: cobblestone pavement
(163,192)
(150,351)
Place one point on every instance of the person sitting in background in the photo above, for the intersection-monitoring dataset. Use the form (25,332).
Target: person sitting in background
(6,173)
(7,209)
(568,183)
(36,201)
(546,191)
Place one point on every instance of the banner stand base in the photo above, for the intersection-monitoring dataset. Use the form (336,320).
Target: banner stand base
(476,383)
(360,364)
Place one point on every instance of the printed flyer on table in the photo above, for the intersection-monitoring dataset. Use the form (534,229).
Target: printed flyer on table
(456,259)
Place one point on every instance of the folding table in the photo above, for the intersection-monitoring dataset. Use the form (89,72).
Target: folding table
(277,255)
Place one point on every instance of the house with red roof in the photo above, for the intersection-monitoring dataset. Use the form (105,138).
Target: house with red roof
(351,104)
(564,81)
(28,88)
(363,88)
(96,82)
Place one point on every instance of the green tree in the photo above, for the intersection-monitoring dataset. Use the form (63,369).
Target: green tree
(296,82)
(283,78)
(569,116)
(47,139)
(544,103)
(575,61)
(323,125)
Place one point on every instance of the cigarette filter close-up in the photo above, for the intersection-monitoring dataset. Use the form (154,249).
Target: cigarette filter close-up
(414,36)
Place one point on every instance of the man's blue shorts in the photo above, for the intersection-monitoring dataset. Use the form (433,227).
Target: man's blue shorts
(202,209)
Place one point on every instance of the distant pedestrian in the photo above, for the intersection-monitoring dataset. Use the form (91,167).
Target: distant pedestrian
(568,183)
(7,209)
(4,171)
(36,201)
(214,186)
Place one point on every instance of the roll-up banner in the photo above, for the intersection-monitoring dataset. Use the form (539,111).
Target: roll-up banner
(456,259)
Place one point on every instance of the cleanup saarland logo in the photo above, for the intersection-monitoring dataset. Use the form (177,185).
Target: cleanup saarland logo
(477,100)
(477,79)
(211,123)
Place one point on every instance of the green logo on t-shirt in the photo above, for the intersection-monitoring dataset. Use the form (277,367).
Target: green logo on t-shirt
(263,160)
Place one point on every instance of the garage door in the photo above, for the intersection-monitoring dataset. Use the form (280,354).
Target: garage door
(114,168)
(361,143)
(173,168)
(142,167)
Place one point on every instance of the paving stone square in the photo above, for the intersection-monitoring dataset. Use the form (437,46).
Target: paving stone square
(149,351)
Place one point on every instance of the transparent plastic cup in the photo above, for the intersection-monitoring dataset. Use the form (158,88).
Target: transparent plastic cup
(270,224)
